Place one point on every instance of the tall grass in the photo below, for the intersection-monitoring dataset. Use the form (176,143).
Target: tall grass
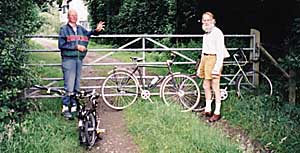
(274,123)
(43,131)
(160,128)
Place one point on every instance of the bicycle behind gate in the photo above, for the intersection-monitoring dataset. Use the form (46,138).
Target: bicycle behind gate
(121,87)
(88,121)
(251,83)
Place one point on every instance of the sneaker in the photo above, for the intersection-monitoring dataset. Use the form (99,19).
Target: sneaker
(65,109)
(73,109)
(67,115)
(80,124)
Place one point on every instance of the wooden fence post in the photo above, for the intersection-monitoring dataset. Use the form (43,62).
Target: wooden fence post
(292,87)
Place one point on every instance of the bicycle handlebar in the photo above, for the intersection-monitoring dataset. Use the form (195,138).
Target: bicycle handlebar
(173,56)
(49,90)
(241,52)
(169,62)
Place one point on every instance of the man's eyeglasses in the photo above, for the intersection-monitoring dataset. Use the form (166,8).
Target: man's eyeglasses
(204,20)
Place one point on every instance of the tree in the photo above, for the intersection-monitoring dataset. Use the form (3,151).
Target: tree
(134,16)
(104,10)
(291,60)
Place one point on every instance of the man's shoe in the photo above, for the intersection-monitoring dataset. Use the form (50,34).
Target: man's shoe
(214,118)
(74,111)
(67,115)
(206,114)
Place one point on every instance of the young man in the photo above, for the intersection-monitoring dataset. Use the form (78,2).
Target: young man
(73,41)
(210,67)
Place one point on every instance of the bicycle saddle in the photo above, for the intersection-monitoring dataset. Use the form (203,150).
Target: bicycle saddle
(136,59)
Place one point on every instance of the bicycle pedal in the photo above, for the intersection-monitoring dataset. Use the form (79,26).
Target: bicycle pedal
(100,131)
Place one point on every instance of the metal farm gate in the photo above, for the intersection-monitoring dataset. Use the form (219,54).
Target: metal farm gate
(102,57)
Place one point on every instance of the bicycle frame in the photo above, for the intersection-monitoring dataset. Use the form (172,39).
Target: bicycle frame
(83,112)
(140,80)
(241,70)
(239,73)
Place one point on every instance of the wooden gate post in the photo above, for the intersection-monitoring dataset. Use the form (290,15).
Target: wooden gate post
(255,54)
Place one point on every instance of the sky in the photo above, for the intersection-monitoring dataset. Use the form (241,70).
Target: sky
(81,10)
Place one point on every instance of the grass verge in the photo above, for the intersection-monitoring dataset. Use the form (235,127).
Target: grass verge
(275,124)
(160,128)
(43,131)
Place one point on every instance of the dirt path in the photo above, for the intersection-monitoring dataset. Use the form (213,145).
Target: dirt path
(116,139)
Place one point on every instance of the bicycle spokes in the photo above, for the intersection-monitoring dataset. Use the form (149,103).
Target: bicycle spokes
(182,90)
(90,129)
(255,83)
(119,90)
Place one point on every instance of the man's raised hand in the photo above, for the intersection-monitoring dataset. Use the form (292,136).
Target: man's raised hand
(100,26)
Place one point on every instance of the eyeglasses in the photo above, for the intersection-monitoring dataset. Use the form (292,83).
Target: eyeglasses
(206,20)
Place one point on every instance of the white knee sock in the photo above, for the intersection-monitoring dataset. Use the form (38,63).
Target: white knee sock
(218,108)
(208,105)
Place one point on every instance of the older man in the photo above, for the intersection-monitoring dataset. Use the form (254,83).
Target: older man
(210,67)
(73,42)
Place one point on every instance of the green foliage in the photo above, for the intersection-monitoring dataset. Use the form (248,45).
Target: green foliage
(134,17)
(15,75)
(18,18)
(291,60)
(150,17)
(186,17)
(236,42)
(268,119)
(292,44)
(51,22)
(189,69)
(104,10)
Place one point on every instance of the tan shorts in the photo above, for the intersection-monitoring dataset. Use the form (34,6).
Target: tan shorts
(206,66)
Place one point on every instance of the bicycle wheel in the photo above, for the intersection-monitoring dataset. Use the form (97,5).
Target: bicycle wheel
(256,84)
(90,129)
(201,106)
(81,112)
(119,90)
(181,89)
(82,138)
